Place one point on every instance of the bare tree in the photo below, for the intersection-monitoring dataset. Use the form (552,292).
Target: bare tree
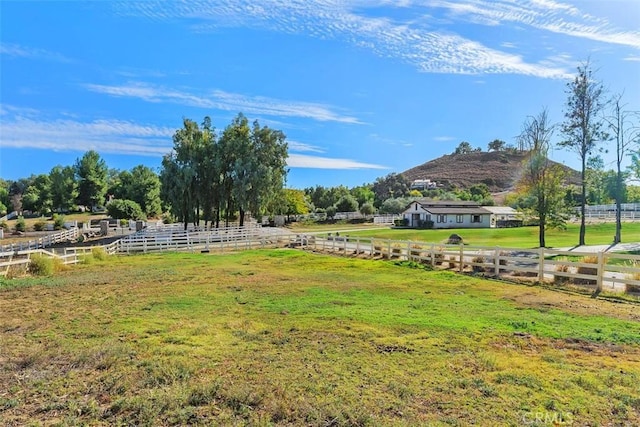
(582,128)
(541,183)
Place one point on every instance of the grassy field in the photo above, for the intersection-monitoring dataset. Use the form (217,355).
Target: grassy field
(284,337)
(522,237)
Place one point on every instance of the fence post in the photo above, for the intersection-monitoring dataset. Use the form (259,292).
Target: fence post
(541,265)
(461,266)
(496,259)
(433,255)
(409,257)
(600,274)
(389,249)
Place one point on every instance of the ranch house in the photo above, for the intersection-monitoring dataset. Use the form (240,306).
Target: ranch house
(446,214)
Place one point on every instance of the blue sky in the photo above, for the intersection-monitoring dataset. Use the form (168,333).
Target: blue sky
(361,88)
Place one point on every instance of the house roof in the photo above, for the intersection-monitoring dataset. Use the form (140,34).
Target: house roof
(457,210)
(504,210)
(427,204)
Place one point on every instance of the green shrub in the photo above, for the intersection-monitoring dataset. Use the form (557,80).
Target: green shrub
(41,265)
(125,209)
(87,259)
(58,222)
(20,224)
(98,253)
(39,226)
(4,225)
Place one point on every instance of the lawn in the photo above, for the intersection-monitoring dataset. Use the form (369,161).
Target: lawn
(285,337)
(522,237)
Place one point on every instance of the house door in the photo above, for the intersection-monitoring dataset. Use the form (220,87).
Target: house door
(415,219)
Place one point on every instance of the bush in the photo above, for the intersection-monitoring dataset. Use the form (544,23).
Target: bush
(591,271)
(4,225)
(428,224)
(99,253)
(561,268)
(20,224)
(58,222)
(478,259)
(39,226)
(331,212)
(402,222)
(125,209)
(41,265)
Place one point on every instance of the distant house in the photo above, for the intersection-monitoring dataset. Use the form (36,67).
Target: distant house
(446,214)
(504,216)
(423,184)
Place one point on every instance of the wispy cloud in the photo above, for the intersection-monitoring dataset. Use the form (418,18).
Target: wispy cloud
(314,162)
(414,43)
(303,147)
(18,51)
(221,100)
(107,136)
(444,138)
(25,128)
(549,15)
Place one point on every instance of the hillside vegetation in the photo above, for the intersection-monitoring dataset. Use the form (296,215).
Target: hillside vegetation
(283,337)
(500,170)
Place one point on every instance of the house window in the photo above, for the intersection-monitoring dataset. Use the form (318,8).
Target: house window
(416,206)
(442,218)
(476,218)
(459,218)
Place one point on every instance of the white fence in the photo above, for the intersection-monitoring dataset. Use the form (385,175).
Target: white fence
(42,242)
(601,271)
(607,213)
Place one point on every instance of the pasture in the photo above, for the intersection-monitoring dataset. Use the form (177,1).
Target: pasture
(286,337)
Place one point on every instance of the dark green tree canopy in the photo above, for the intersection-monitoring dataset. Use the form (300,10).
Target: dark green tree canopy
(92,171)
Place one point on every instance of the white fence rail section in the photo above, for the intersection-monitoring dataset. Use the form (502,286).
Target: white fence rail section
(607,213)
(386,219)
(601,271)
(42,242)
(165,238)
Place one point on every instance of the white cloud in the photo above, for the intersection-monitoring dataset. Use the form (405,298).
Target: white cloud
(549,15)
(108,136)
(25,128)
(444,138)
(16,50)
(301,146)
(424,48)
(314,162)
(221,100)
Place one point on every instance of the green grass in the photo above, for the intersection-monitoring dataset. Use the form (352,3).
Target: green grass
(284,337)
(522,237)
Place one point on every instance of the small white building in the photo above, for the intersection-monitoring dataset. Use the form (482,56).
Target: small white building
(446,214)
(504,216)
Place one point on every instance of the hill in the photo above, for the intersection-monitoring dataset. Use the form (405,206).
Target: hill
(500,170)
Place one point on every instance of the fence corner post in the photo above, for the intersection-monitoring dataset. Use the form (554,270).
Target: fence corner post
(461,266)
(600,274)
(541,265)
